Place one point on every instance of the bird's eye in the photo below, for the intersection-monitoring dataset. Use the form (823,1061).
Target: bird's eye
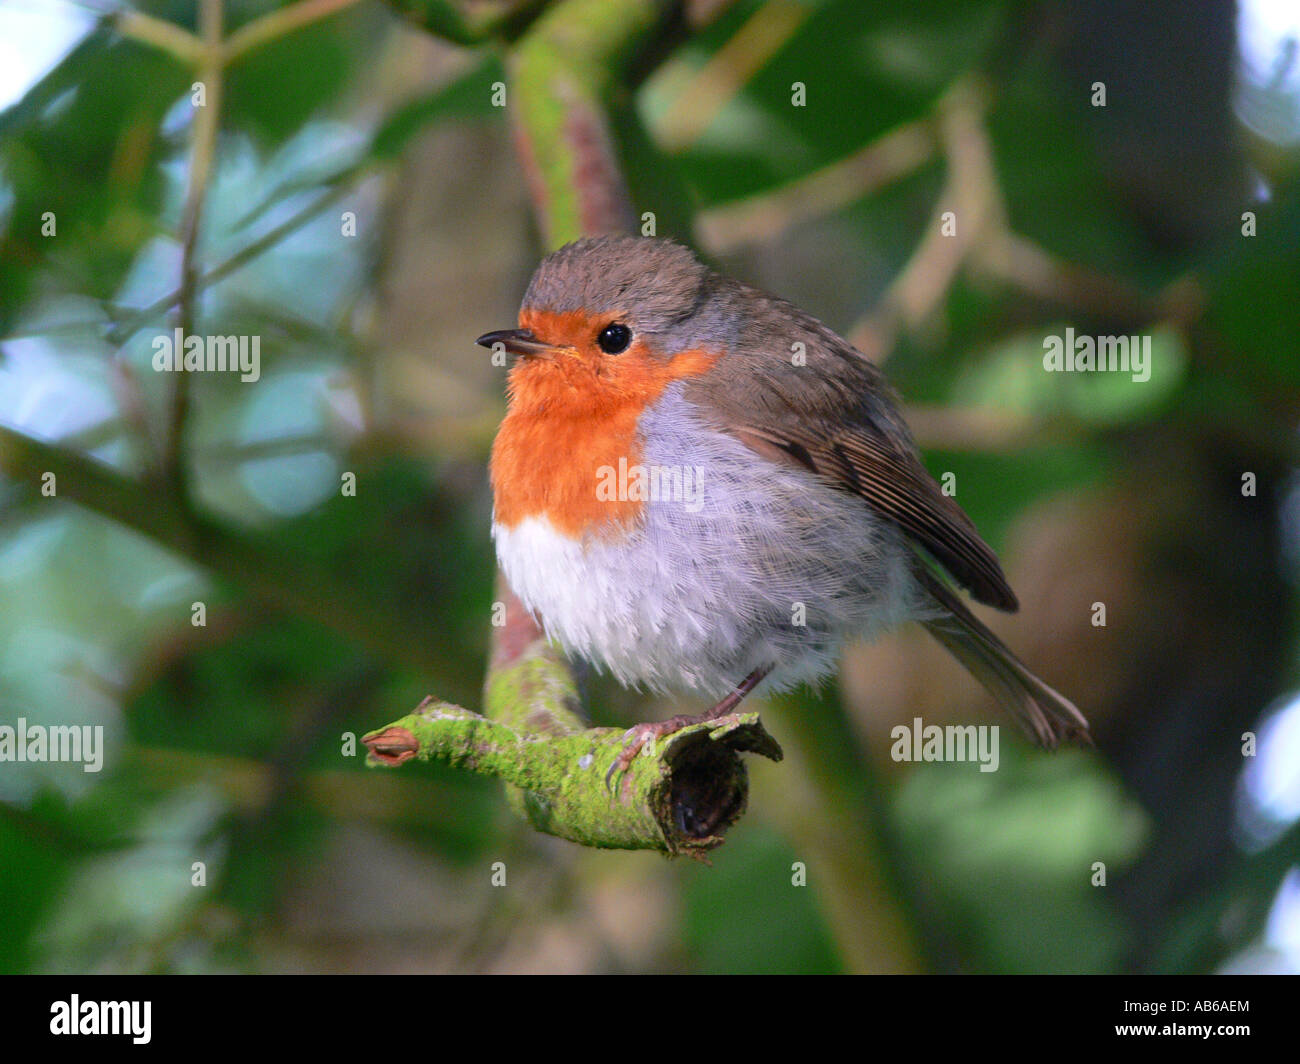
(613,339)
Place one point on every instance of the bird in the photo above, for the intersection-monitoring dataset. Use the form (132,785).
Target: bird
(699,487)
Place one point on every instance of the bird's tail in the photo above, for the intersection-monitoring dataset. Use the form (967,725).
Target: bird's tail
(1046,714)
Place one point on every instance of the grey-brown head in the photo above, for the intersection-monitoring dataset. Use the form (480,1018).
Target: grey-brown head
(656,282)
(617,288)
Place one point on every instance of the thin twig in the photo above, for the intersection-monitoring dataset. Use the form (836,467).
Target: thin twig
(161,34)
(119,334)
(278,24)
(202,157)
(763,218)
(728,71)
(970,194)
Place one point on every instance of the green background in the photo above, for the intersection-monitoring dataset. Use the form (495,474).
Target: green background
(327,615)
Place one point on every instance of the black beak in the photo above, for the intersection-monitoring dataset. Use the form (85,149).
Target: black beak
(516,341)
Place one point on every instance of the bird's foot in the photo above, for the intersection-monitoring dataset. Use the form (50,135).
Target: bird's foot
(636,737)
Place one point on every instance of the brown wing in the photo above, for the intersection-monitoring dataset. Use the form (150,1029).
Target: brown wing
(898,487)
(835,416)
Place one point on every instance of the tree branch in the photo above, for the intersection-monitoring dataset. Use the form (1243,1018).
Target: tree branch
(262,571)
(678,797)
(562,73)
(163,35)
(202,160)
(277,24)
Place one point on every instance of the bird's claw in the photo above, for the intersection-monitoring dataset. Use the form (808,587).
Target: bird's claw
(635,739)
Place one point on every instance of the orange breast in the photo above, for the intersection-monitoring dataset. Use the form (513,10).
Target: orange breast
(571,418)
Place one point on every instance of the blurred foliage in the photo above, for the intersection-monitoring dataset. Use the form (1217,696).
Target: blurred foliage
(227,743)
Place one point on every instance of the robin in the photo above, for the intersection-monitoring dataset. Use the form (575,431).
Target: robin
(698,485)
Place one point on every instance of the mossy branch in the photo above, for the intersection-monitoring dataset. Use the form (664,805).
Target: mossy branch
(679,796)
(563,72)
